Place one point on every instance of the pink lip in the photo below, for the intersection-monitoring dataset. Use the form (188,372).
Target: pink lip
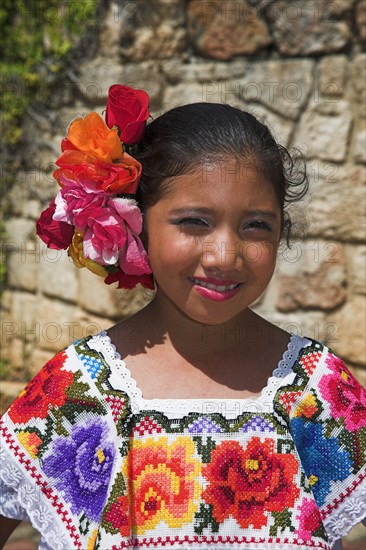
(215,295)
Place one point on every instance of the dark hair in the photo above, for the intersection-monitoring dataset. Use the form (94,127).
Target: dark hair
(179,140)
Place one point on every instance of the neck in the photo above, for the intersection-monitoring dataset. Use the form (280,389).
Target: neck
(174,328)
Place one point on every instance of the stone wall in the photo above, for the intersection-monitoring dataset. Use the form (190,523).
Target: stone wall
(298,66)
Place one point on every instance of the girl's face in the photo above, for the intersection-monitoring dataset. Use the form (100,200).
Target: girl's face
(213,239)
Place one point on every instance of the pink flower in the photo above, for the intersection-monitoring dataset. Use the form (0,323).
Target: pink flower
(309,519)
(56,234)
(346,396)
(111,235)
(73,198)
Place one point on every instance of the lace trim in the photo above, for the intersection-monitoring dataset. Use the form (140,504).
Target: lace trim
(350,512)
(121,379)
(25,501)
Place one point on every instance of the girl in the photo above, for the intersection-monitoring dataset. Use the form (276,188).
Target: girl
(195,423)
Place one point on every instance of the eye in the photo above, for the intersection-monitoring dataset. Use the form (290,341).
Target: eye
(258,224)
(196,222)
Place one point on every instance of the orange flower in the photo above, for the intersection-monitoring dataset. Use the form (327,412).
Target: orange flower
(30,441)
(117,177)
(92,136)
(164,482)
(76,252)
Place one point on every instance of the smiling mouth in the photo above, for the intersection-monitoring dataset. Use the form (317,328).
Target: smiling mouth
(218,288)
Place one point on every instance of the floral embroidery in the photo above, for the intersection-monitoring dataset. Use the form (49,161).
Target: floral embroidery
(82,463)
(30,441)
(307,407)
(47,389)
(309,519)
(324,460)
(345,395)
(121,478)
(248,482)
(163,481)
(118,516)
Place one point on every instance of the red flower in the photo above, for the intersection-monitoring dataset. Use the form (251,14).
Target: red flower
(54,233)
(128,109)
(247,483)
(118,516)
(130,281)
(47,389)
(346,396)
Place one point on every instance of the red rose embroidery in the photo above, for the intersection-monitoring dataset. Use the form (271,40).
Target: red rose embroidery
(128,109)
(47,389)
(248,482)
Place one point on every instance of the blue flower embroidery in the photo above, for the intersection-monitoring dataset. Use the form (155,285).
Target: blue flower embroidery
(81,463)
(323,458)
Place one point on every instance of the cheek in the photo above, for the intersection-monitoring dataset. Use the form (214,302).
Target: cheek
(172,253)
(260,255)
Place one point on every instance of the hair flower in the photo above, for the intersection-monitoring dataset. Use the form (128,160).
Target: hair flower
(92,136)
(94,214)
(128,109)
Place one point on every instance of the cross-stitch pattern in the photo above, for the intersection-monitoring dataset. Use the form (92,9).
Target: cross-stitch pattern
(95,470)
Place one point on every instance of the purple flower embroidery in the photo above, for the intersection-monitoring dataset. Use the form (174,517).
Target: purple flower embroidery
(204,425)
(257,423)
(81,463)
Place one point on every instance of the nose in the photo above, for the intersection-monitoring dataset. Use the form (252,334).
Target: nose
(223,251)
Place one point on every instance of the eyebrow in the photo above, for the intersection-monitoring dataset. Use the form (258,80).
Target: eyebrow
(187,210)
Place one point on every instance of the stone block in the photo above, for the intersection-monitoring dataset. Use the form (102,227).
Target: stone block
(20,320)
(308,324)
(359,146)
(157,33)
(337,209)
(23,267)
(281,85)
(31,192)
(312,277)
(203,71)
(324,129)
(162,42)
(349,340)
(331,75)
(104,300)
(357,83)
(19,231)
(58,276)
(97,75)
(14,356)
(309,27)
(54,324)
(361,20)
(280,127)
(194,92)
(222,29)
(356,267)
